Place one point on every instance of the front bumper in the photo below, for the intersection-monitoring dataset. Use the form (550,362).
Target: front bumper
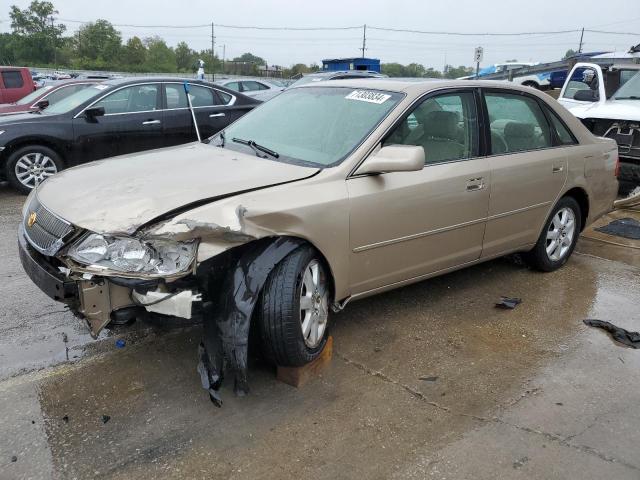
(50,280)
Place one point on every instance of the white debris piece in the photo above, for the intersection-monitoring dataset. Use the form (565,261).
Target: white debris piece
(177,305)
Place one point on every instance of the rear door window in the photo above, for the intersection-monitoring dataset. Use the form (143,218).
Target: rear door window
(233,86)
(12,79)
(517,123)
(136,98)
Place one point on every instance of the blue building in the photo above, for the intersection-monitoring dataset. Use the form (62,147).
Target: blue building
(339,64)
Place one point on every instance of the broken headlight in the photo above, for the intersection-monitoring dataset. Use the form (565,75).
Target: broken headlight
(155,257)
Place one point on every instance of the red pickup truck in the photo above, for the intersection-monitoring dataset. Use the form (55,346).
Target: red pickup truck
(15,83)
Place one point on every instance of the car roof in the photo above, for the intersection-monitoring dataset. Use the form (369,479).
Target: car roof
(129,80)
(414,87)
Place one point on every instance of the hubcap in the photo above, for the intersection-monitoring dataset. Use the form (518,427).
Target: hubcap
(32,168)
(560,234)
(314,304)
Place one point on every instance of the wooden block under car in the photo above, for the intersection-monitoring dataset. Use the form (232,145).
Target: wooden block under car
(298,376)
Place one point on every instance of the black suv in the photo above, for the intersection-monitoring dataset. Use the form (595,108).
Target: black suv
(112,118)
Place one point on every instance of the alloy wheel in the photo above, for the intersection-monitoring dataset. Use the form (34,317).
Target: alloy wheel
(33,168)
(314,304)
(560,234)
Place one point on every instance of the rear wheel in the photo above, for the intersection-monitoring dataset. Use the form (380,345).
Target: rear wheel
(558,238)
(293,313)
(31,165)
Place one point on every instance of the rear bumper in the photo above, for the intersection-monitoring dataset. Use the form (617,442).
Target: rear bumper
(45,276)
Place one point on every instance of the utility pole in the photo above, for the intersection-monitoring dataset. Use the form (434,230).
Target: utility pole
(213,55)
(53,42)
(364,39)
(224,56)
(581,36)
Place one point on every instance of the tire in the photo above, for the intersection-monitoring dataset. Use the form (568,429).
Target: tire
(279,314)
(566,238)
(30,165)
(629,176)
(532,85)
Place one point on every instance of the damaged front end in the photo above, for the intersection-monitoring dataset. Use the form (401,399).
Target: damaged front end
(626,133)
(116,278)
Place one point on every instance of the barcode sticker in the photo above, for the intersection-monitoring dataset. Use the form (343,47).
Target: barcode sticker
(368,96)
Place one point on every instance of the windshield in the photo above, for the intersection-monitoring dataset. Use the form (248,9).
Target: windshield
(316,126)
(308,79)
(75,99)
(631,88)
(33,95)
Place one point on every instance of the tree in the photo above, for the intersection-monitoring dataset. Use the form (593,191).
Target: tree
(160,58)
(134,55)
(250,58)
(570,53)
(185,57)
(99,44)
(456,72)
(35,36)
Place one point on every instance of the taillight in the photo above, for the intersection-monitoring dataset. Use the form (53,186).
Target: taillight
(617,170)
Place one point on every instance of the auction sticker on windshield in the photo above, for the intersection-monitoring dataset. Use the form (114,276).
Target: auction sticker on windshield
(368,96)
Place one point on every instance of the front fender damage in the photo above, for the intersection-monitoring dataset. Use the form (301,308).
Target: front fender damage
(234,287)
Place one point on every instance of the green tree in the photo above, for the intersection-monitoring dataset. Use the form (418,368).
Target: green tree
(250,58)
(99,45)
(160,57)
(134,55)
(35,35)
(569,53)
(185,57)
(456,72)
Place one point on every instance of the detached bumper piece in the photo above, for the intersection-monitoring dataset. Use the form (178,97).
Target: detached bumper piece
(228,317)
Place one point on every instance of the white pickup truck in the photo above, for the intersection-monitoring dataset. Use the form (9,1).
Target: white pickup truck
(607,100)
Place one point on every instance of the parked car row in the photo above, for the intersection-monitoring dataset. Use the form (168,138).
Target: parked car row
(111,118)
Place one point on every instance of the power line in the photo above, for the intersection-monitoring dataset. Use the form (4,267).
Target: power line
(468,34)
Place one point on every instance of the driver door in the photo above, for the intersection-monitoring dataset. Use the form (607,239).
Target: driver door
(405,225)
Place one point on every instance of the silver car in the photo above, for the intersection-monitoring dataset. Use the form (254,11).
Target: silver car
(259,88)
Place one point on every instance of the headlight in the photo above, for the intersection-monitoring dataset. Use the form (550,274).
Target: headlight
(133,255)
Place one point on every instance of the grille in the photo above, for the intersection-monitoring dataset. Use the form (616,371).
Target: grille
(47,232)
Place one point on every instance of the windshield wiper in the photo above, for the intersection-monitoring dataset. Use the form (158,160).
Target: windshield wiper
(630,97)
(222,138)
(256,147)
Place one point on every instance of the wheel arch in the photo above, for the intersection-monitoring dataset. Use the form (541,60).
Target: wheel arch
(21,142)
(582,198)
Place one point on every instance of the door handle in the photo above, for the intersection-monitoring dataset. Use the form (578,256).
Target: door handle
(474,184)
(213,115)
(558,169)
(152,122)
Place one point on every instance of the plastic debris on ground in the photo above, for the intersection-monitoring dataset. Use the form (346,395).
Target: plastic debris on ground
(120,343)
(508,303)
(622,227)
(105,418)
(630,339)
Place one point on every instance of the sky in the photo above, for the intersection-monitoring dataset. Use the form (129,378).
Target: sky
(288,47)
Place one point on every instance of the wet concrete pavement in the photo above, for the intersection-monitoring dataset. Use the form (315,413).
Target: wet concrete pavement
(527,393)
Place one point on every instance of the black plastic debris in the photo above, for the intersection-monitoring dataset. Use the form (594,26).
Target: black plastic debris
(105,418)
(14,459)
(508,303)
(630,339)
(622,227)
(227,318)
(428,379)
(65,419)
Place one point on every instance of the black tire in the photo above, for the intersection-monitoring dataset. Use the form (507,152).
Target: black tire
(278,312)
(538,257)
(10,168)
(629,177)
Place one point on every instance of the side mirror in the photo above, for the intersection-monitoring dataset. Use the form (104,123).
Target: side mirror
(394,158)
(42,104)
(94,112)
(586,96)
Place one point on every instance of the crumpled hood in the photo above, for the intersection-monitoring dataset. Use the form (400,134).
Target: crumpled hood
(611,109)
(119,195)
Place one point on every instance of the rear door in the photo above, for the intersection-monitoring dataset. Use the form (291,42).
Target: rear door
(528,170)
(213,109)
(405,225)
(132,123)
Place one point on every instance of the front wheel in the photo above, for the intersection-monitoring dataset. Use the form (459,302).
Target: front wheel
(293,314)
(558,238)
(31,165)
